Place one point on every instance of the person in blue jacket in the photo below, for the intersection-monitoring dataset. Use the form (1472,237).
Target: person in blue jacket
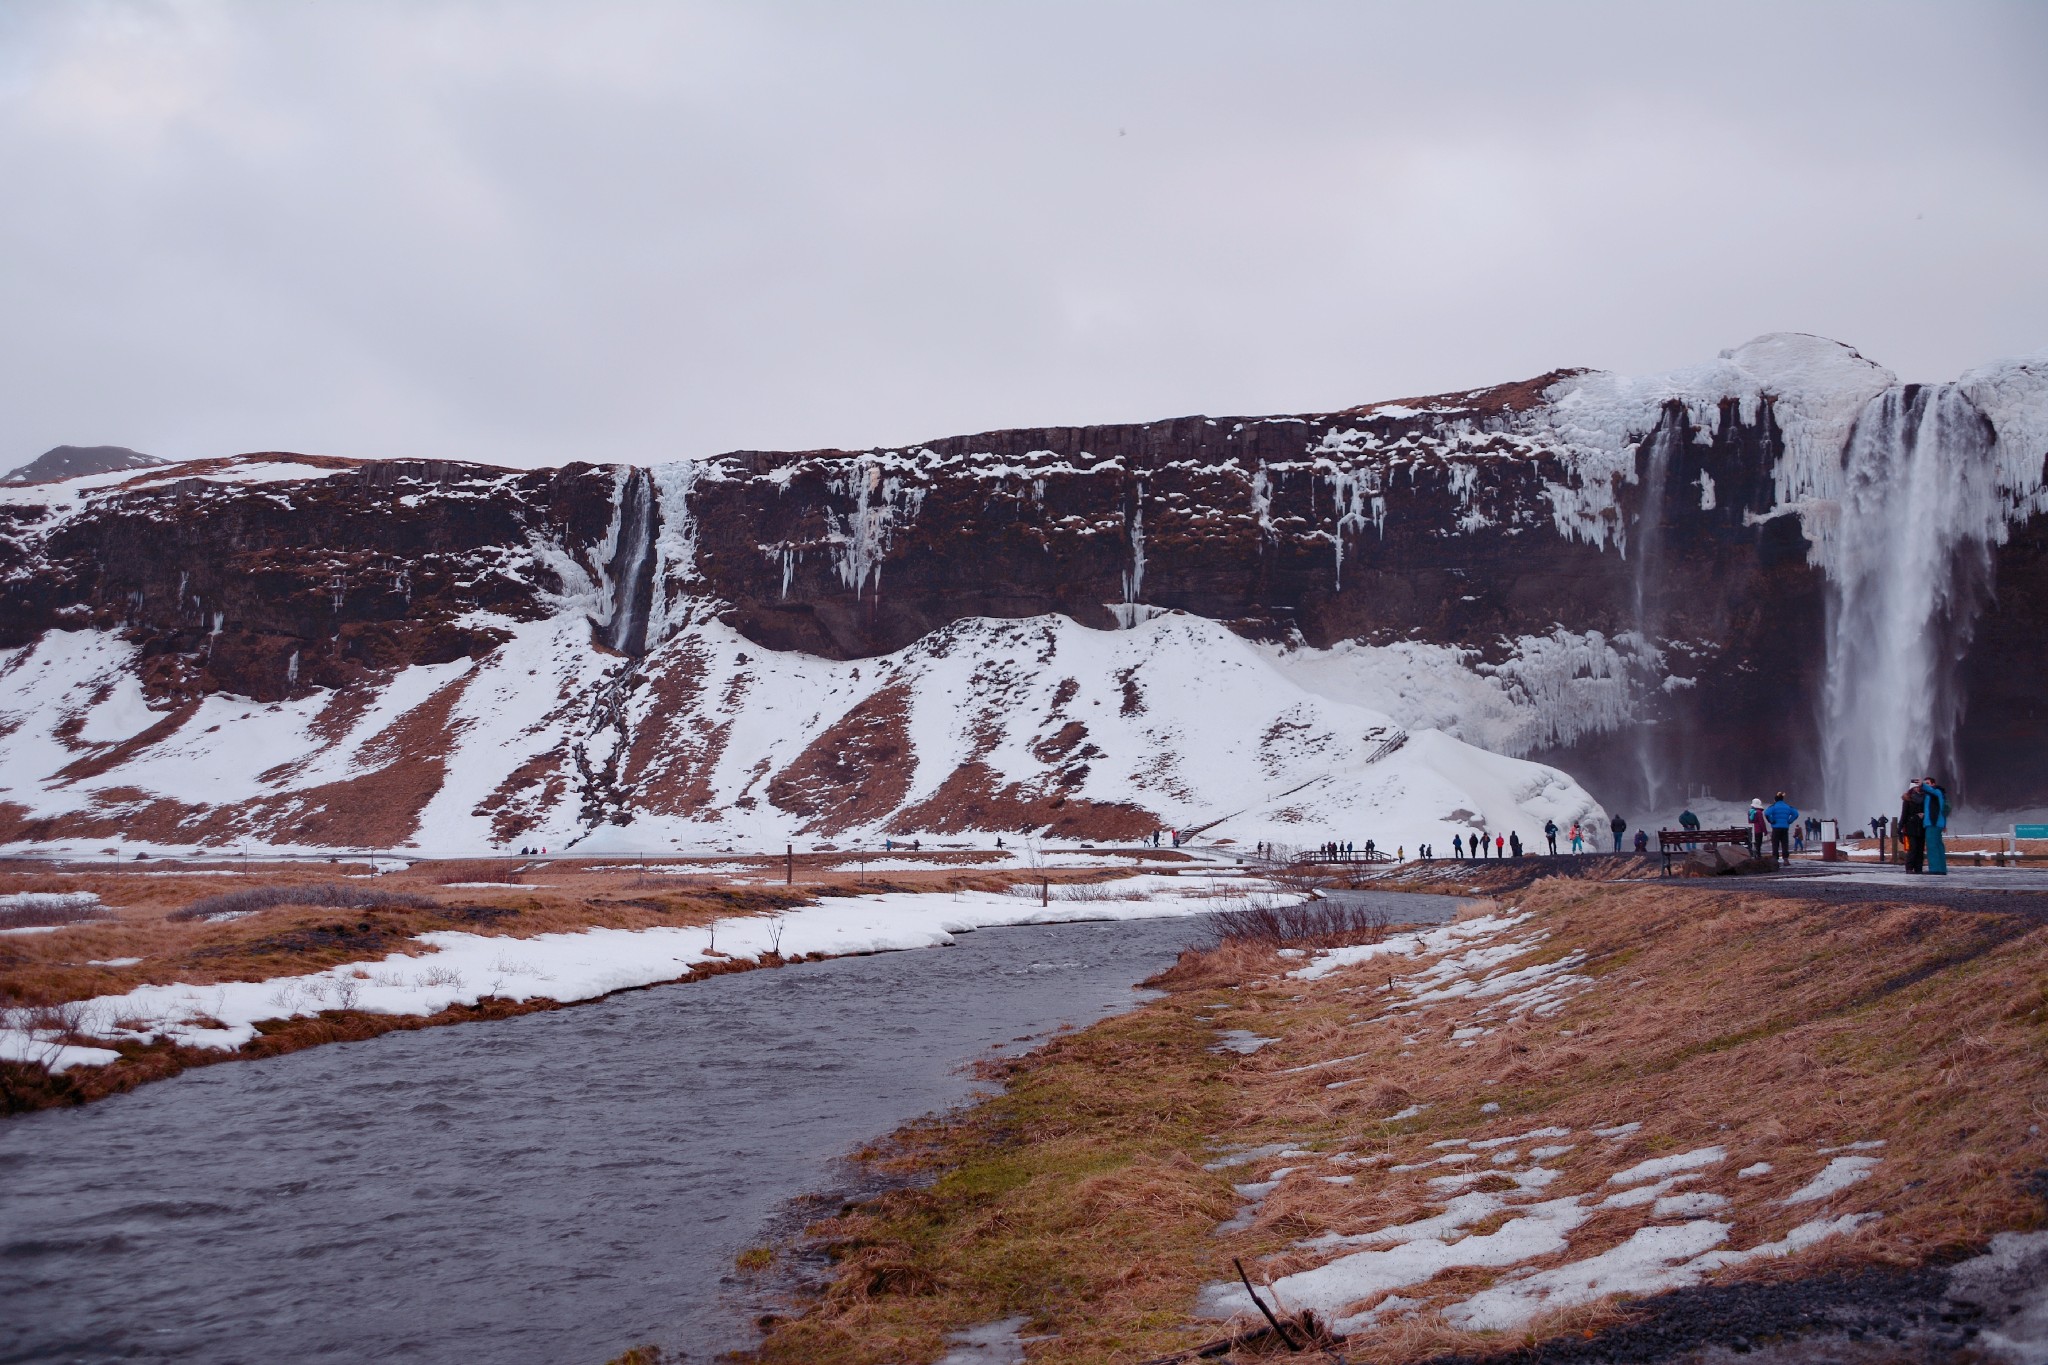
(1934,819)
(1780,816)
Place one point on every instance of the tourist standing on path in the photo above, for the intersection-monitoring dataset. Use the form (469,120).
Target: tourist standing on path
(1757,826)
(1578,840)
(1550,833)
(1458,847)
(1619,826)
(1912,840)
(1934,819)
(1642,842)
(1690,823)
(1780,815)
(1500,844)
(1515,842)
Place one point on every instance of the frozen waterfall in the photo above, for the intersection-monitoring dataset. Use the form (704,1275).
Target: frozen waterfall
(1921,507)
(632,566)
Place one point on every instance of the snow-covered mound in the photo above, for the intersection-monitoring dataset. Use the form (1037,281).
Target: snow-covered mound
(1039,725)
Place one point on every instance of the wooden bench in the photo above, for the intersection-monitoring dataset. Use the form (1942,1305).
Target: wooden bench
(1670,841)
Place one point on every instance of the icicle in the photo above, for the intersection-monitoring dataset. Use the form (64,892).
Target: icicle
(1134,581)
(1355,498)
(1262,502)
(865,533)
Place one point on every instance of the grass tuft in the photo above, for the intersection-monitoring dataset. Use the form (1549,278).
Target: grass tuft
(335,894)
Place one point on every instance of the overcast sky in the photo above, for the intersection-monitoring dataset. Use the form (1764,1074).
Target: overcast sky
(595,229)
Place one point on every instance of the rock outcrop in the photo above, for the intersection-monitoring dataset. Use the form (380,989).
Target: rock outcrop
(72,462)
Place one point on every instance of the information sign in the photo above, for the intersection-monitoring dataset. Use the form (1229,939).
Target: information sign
(2030,831)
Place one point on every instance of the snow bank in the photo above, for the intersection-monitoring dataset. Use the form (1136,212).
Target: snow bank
(463,968)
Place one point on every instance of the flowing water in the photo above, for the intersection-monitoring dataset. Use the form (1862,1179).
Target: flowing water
(1645,550)
(1921,508)
(549,1188)
(632,566)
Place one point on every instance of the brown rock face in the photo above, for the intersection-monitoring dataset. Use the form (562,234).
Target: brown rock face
(267,589)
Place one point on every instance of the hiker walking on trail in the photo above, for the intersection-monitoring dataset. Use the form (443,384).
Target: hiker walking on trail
(1458,847)
(1780,815)
(1618,825)
(1910,829)
(1934,820)
(1757,826)
(1550,833)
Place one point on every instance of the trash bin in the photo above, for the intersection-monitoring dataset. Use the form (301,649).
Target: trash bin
(1830,837)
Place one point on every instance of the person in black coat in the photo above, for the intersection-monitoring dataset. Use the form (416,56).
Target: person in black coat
(1911,829)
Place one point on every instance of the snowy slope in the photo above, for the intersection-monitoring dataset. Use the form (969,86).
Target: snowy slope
(1035,725)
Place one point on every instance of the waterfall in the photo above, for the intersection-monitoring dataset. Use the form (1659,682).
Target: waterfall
(1644,547)
(1921,507)
(1128,612)
(632,567)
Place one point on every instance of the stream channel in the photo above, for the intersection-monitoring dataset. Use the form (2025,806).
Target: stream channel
(547,1188)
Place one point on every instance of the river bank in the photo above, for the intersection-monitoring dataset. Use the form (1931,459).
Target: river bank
(1525,1130)
(142,975)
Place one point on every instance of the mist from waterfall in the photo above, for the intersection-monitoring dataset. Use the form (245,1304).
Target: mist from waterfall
(1921,508)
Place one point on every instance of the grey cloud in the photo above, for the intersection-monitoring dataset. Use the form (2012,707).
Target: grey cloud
(530,233)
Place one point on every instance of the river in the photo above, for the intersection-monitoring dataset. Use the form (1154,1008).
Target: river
(547,1188)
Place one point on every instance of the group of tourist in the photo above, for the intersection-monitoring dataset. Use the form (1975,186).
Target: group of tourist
(1923,815)
(1507,845)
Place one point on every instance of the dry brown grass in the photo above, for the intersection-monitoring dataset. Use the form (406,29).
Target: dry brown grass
(1763,1025)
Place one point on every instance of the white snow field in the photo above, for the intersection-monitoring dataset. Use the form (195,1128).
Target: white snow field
(462,968)
(1177,722)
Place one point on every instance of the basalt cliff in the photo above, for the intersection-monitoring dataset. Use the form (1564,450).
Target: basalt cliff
(1545,600)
